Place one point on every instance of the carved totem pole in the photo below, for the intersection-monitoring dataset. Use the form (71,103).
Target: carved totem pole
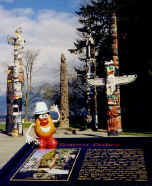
(9,100)
(64,113)
(114,108)
(112,83)
(15,86)
(92,116)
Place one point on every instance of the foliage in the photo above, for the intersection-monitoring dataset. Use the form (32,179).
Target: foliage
(95,19)
(50,93)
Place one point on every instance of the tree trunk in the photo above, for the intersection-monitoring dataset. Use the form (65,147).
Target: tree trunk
(27,106)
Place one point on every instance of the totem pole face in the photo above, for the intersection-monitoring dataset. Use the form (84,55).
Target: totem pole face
(44,126)
(110,70)
(110,80)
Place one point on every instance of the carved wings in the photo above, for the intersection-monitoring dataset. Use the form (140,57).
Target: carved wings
(120,80)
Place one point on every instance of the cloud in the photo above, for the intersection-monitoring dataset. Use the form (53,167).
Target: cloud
(49,32)
(22,11)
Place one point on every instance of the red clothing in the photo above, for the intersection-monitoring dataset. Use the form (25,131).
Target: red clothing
(47,142)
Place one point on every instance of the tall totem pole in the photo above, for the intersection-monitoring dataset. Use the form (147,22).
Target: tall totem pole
(64,113)
(9,100)
(91,90)
(15,86)
(114,106)
(112,83)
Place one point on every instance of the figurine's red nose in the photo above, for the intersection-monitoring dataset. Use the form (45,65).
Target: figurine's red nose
(44,121)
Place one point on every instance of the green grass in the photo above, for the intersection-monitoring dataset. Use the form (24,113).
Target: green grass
(137,133)
(26,125)
(2,126)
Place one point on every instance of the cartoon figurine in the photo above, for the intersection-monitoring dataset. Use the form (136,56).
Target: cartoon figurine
(44,126)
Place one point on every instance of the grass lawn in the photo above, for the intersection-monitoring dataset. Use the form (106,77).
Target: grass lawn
(25,125)
(2,127)
(137,133)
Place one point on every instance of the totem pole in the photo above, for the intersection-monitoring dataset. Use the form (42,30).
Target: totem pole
(9,100)
(64,113)
(113,98)
(115,108)
(17,81)
(91,90)
(112,83)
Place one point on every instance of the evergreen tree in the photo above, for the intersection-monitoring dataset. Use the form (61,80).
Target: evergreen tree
(95,20)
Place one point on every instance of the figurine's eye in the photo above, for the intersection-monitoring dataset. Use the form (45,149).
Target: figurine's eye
(41,116)
(45,116)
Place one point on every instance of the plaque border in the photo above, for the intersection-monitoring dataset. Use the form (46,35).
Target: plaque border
(40,180)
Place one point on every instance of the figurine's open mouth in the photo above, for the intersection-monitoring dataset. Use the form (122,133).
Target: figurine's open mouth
(45,129)
(44,122)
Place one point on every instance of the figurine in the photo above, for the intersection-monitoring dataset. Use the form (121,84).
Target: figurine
(44,126)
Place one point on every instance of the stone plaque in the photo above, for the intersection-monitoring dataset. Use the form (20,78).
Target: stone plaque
(101,161)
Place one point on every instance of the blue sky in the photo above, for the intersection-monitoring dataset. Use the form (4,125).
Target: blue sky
(58,5)
(49,26)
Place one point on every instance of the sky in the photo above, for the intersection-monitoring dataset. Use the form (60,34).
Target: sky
(49,26)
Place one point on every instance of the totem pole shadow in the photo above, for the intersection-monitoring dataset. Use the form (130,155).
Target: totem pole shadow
(3,132)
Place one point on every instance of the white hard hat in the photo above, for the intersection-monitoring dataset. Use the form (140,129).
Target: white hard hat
(40,108)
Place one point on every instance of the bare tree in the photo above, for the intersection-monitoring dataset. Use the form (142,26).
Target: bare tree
(30,58)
